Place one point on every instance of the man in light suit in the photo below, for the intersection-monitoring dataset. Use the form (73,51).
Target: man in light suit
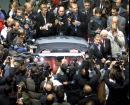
(117,39)
(121,20)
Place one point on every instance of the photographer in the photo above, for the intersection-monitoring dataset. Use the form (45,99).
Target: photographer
(85,76)
(61,21)
(76,20)
(117,84)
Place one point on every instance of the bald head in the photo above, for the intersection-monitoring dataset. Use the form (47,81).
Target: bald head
(87,89)
(61,11)
(48,87)
(50,97)
(74,7)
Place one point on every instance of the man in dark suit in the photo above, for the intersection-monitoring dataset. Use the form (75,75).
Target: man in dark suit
(45,22)
(88,12)
(76,21)
(106,44)
(96,49)
(96,24)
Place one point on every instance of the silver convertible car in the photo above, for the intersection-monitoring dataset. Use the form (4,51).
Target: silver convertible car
(53,49)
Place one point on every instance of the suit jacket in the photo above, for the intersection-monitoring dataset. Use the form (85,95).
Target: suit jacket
(106,48)
(88,15)
(121,25)
(40,22)
(94,51)
(64,28)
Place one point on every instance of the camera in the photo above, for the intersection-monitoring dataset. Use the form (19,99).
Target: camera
(68,69)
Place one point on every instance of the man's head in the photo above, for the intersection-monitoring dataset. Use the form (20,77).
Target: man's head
(19,11)
(87,4)
(114,10)
(87,89)
(61,11)
(48,87)
(50,99)
(28,7)
(10,22)
(97,39)
(74,8)
(16,25)
(98,12)
(44,9)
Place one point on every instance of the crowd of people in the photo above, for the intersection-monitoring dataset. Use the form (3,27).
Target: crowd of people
(102,78)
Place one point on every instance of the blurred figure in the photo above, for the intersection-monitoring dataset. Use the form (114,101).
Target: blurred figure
(13,8)
(117,38)
(88,97)
(60,98)
(117,85)
(76,19)
(106,43)
(96,24)
(45,22)
(121,22)
(122,11)
(61,22)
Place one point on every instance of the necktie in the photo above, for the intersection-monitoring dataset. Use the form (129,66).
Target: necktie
(45,19)
(104,43)
(98,47)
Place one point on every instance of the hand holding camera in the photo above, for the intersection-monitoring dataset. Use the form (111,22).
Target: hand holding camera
(76,23)
(20,101)
(46,26)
